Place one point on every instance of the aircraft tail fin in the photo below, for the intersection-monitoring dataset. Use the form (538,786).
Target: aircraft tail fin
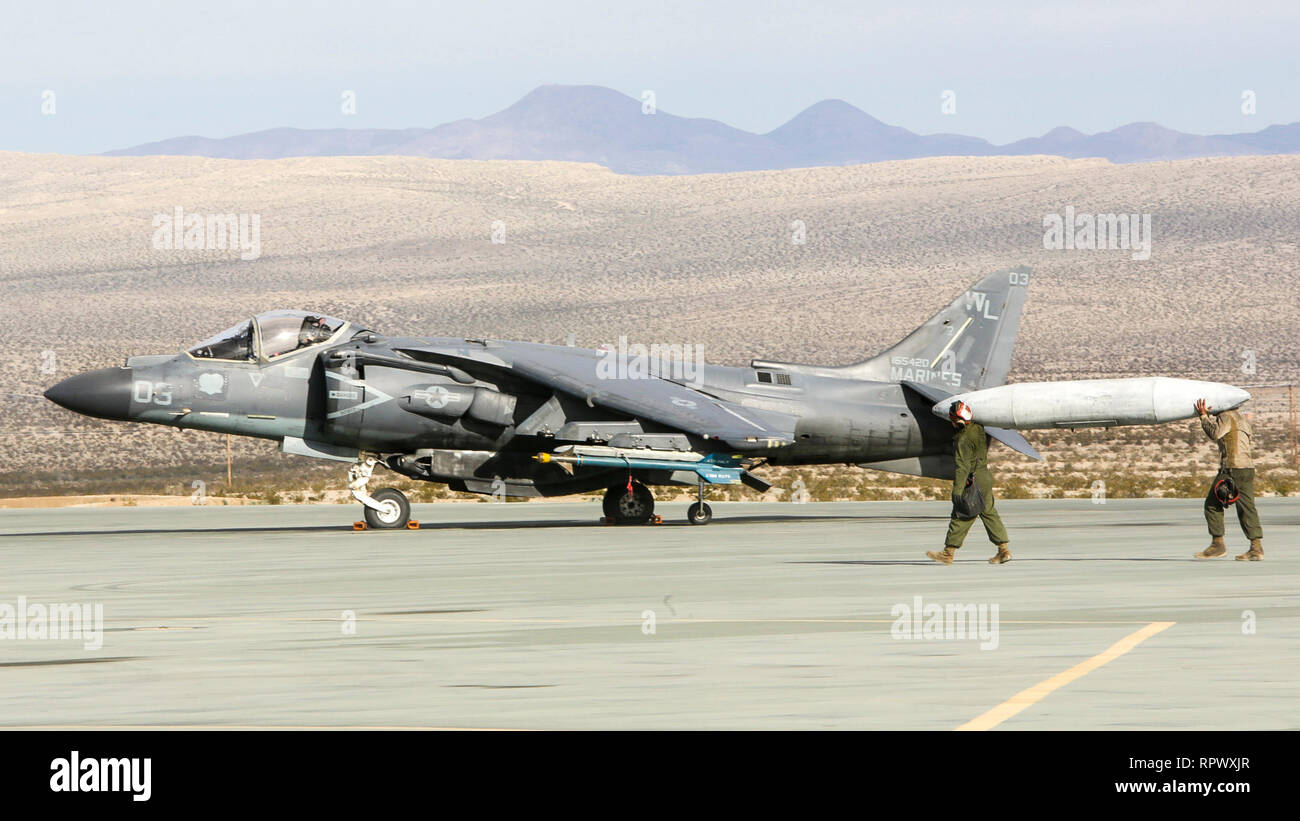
(967,345)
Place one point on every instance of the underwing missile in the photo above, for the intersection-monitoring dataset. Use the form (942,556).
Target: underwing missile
(713,468)
(1094,403)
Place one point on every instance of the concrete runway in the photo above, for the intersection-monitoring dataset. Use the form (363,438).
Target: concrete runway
(531,616)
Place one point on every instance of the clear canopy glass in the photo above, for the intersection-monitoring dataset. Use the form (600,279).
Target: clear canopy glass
(235,342)
(283,332)
(277,333)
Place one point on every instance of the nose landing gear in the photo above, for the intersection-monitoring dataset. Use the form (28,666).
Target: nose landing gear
(394,509)
(386,508)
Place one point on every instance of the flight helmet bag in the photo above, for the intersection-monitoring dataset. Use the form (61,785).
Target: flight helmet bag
(971,501)
(1225,490)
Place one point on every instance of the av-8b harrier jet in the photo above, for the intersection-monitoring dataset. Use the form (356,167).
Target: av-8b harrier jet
(524,419)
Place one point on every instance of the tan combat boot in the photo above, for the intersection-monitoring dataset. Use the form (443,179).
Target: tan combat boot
(944,556)
(1255,554)
(1215,549)
(1003,556)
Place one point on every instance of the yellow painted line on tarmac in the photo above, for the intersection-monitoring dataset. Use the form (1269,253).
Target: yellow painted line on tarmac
(1031,696)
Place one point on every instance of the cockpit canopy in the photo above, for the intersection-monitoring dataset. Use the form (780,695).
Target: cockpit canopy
(269,336)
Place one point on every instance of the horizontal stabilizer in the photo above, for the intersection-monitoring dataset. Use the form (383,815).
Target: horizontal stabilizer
(1015,441)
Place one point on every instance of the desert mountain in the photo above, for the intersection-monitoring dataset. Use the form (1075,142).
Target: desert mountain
(603,126)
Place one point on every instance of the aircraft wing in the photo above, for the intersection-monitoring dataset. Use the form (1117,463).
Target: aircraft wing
(666,402)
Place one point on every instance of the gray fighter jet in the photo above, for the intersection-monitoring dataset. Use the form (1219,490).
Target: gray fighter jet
(524,419)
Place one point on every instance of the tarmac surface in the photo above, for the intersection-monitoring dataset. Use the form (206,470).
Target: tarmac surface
(775,616)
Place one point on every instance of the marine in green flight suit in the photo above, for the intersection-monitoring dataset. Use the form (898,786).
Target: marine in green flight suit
(1235,436)
(971,453)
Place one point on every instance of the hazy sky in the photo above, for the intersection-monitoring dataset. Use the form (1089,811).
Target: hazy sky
(124,73)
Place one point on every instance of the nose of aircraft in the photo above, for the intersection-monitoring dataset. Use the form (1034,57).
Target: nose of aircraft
(105,393)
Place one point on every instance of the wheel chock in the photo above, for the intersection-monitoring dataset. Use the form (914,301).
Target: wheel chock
(656,519)
(413,524)
(358,525)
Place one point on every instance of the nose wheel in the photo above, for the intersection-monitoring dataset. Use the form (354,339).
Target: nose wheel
(386,508)
(394,510)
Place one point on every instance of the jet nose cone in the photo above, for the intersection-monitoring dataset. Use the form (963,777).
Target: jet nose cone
(105,393)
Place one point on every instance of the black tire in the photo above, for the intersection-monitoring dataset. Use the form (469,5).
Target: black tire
(699,513)
(610,503)
(625,508)
(396,514)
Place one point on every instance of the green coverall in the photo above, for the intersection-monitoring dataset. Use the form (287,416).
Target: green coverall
(970,446)
(1235,436)
(1247,514)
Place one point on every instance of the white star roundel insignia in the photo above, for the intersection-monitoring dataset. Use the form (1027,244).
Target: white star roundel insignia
(437,397)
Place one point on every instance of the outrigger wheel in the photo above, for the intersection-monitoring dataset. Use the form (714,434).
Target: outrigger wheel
(699,513)
(394,509)
(630,504)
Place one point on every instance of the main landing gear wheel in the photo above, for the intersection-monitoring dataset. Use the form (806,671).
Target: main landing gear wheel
(699,513)
(629,508)
(394,509)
